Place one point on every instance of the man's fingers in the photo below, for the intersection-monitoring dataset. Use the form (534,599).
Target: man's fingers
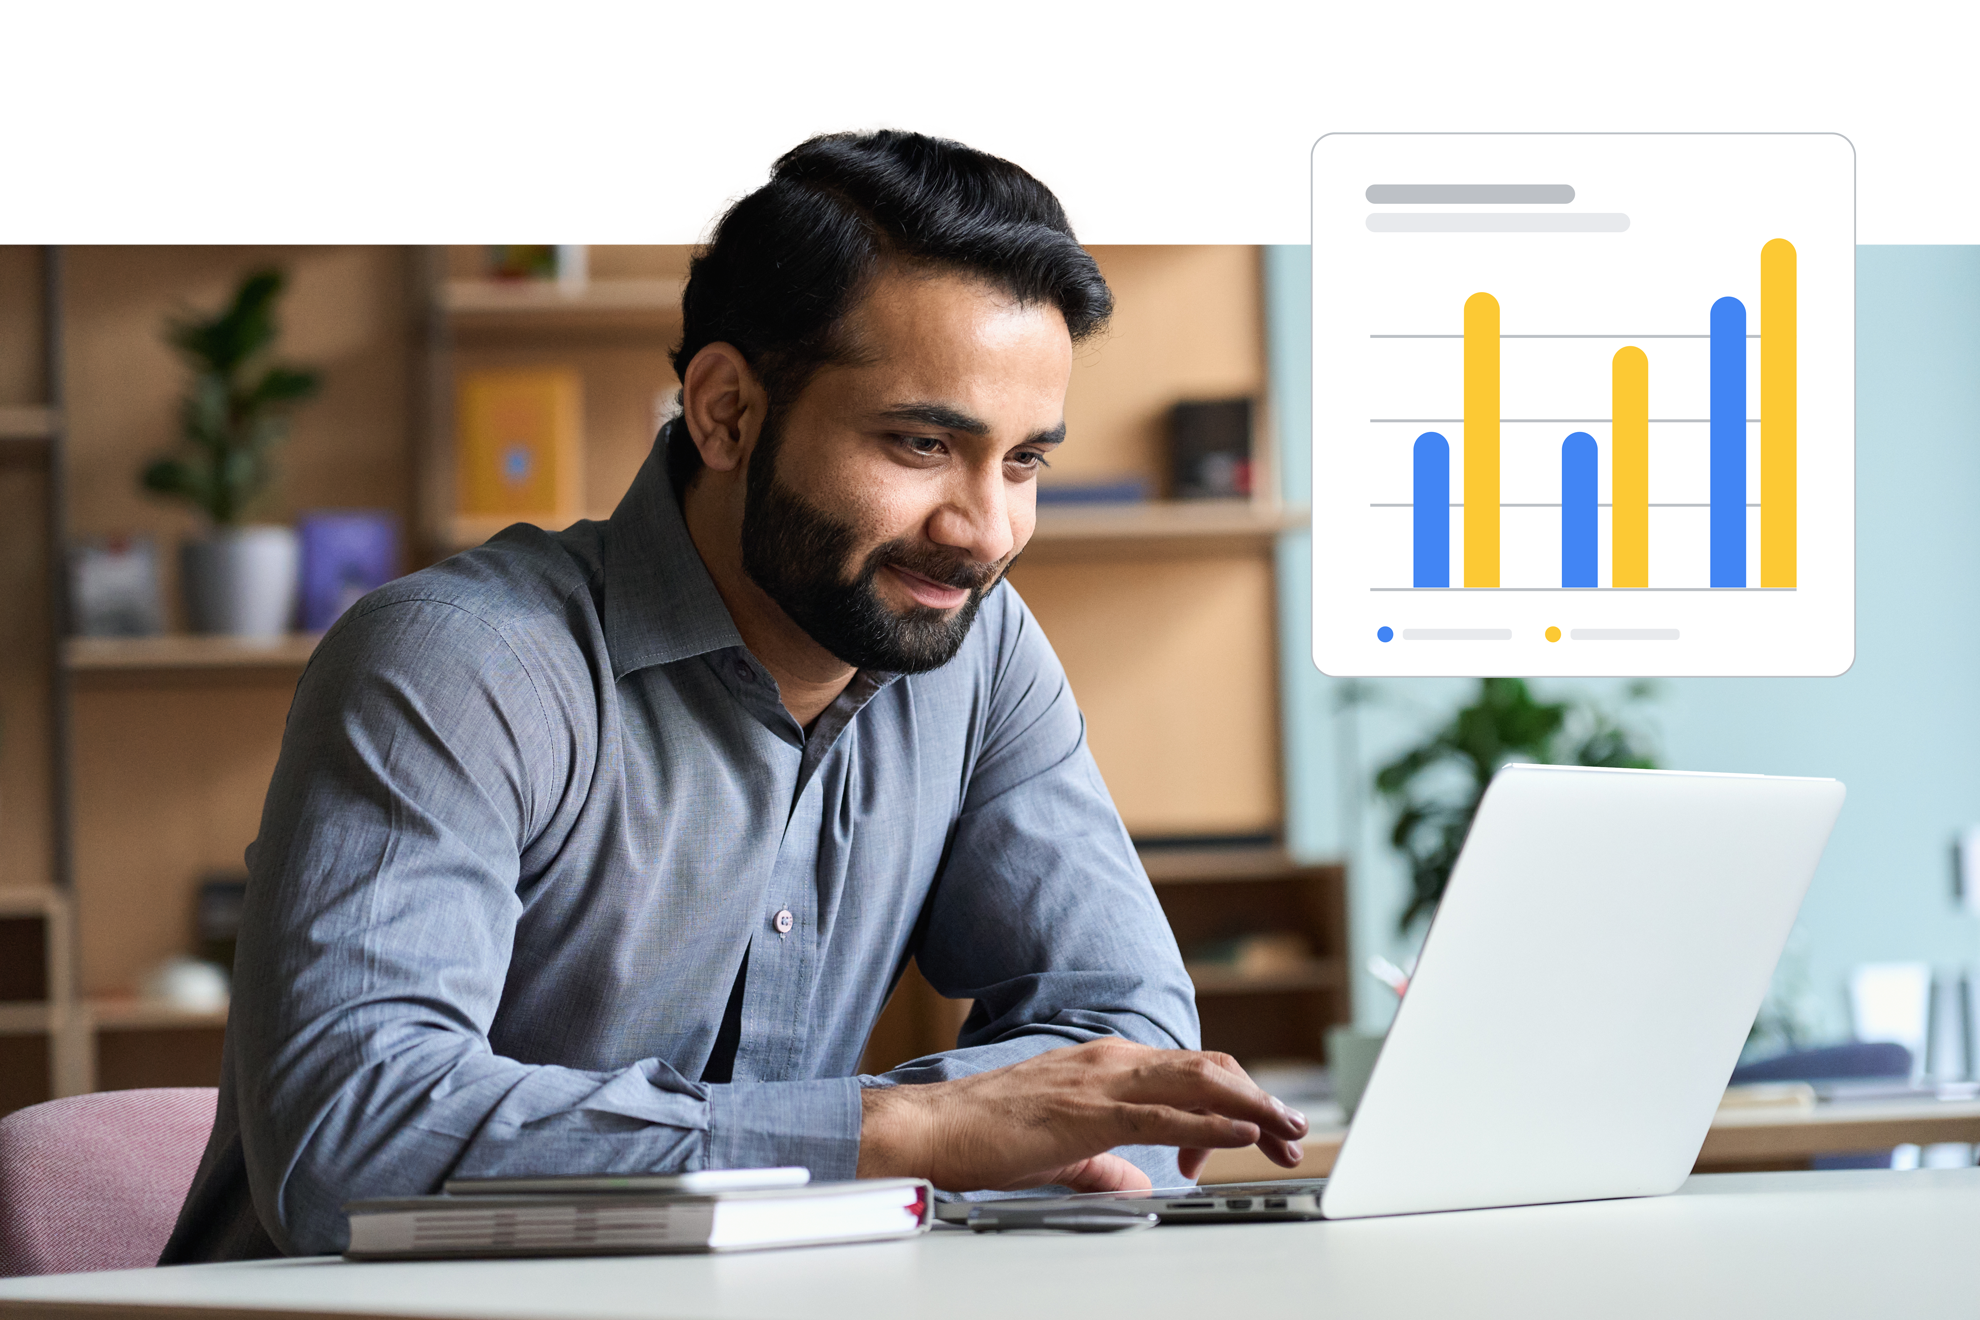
(1285,1154)
(1193,1080)
(1159,1125)
(1190,1161)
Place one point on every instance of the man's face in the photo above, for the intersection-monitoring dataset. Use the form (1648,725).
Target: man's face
(892,494)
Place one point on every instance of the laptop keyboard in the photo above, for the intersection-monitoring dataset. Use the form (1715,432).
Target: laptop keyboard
(1289,1187)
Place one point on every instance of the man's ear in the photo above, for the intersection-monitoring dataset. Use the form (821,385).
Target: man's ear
(723,405)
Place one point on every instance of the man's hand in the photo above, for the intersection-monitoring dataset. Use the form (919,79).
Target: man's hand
(1053,1117)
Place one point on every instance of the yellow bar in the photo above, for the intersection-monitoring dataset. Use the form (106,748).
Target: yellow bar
(1777,414)
(1481,441)
(1629,469)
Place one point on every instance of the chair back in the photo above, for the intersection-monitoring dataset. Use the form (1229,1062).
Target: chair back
(94,1182)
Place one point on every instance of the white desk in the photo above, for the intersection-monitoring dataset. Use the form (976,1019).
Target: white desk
(1800,1245)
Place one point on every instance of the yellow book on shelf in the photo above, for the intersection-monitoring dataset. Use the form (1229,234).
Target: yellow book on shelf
(520,445)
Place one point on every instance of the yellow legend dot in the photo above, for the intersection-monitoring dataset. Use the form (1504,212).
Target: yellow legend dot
(1553,634)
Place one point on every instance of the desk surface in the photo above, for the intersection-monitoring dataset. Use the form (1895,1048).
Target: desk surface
(1743,1245)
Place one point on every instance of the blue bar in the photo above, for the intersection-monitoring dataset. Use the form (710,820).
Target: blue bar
(1431,501)
(1728,443)
(1578,510)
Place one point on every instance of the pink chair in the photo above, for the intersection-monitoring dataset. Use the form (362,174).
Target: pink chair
(94,1182)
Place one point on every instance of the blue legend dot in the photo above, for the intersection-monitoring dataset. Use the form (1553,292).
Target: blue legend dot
(1385,634)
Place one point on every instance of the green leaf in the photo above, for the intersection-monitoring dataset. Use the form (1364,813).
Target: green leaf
(285,385)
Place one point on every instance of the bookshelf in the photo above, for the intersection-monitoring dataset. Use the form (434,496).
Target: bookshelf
(185,651)
(626,302)
(131,768)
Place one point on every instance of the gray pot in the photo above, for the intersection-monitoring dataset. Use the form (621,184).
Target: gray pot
(241,581)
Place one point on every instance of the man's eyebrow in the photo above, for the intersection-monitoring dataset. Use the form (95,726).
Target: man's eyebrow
(954,419)
(938,414)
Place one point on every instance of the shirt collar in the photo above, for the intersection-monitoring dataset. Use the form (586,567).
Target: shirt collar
(660,603)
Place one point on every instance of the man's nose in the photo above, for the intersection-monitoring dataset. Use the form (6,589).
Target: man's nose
(975,518)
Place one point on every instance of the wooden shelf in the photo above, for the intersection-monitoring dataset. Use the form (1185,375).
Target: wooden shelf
(29,901)
(27,423)
(1167,196)
(26,434)
(1189,527)
(537,305)
(1319,974)
(1195,866)
(181,651)
(254,194)
(26,1019)
(129,1013)
(1185,526)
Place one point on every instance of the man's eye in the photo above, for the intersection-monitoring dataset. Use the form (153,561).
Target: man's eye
(1028,459)
(925,445)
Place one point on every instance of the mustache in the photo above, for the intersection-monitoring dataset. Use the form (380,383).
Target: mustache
(936,565)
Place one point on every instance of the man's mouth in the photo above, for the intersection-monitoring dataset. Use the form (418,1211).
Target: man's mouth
(927,591)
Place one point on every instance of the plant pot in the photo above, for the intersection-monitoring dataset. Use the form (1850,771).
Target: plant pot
(241,581)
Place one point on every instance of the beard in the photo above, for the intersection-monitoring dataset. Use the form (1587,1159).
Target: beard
(798,554)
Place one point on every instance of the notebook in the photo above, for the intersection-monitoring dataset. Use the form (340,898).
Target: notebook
(636,1222)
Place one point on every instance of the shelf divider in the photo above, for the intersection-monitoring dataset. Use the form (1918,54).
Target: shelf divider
(183,651)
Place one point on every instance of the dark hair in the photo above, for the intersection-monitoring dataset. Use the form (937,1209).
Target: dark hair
(790,260)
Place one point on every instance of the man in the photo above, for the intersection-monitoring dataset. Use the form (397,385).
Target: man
(601,850)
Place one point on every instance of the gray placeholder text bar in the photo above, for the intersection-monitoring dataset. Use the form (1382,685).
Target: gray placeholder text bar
(1457,634)
(1470,194)
(1623,634)
(1498,222)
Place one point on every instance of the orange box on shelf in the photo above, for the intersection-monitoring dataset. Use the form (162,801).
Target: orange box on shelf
(520,443)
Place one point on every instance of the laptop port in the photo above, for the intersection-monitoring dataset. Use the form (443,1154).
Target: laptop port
(1271,1203)
(1238,1203)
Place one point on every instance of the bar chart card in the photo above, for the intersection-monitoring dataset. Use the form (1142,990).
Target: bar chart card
(1584,403)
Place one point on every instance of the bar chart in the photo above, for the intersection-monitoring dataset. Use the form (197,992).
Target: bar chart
(1583,404)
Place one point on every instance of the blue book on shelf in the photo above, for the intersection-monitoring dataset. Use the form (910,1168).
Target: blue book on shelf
(1118,490)
(345,553)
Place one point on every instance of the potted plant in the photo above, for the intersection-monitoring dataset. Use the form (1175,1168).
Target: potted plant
(240,578)
(1436,786)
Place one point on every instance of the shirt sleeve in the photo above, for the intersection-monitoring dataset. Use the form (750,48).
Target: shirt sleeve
(1042,913)
(419,761)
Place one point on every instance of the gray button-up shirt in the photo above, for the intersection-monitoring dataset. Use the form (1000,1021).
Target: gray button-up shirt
(534,806)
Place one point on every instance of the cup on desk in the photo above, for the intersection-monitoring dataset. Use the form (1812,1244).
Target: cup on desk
(1350,1059)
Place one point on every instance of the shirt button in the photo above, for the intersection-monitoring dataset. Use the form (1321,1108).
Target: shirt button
(744,672)
(783,921)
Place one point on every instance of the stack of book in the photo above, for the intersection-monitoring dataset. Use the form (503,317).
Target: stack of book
(715,1210)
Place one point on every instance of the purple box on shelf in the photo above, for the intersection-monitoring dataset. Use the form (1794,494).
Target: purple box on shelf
(345,553)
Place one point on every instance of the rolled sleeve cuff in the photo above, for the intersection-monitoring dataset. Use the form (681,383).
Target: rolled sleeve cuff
(767,1124)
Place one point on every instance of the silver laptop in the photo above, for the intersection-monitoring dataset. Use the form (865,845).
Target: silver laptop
(1603,946)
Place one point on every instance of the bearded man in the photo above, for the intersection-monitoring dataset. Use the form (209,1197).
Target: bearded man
(600,850)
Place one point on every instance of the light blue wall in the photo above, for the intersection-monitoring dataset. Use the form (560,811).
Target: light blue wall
(1902,728)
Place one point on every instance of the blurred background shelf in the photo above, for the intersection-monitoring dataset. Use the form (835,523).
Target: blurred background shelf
(1185,527)
(27,422)
(621,304)
(179,651)
(1201,525)
(1318,974)
(128,1013)
(27,1019)
(27,435)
